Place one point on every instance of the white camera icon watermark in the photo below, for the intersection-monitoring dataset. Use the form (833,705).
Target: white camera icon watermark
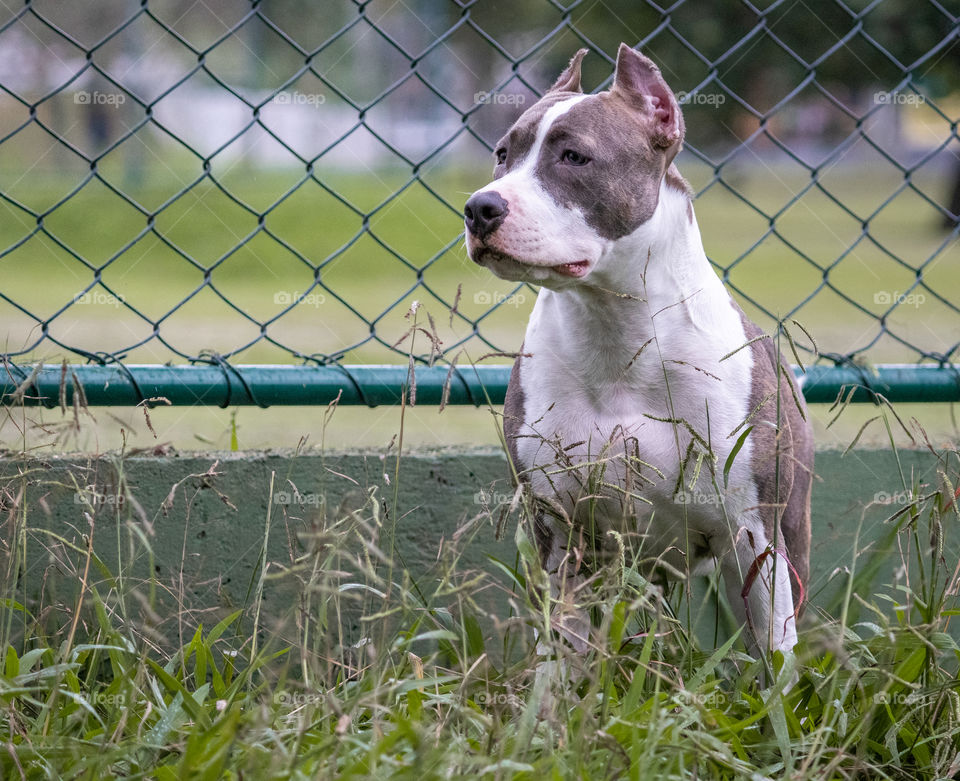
(886,297)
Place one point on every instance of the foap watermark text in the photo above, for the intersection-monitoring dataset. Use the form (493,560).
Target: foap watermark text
(98,297)
(499,98)
(887,297)
(900,497)
(691,498)
(898,99)
(297,699)
(492,498)
(96,98)
(89,496)
(714,99)
(294,498)
(299,99)
(487,298)
(285,298)
(489,699)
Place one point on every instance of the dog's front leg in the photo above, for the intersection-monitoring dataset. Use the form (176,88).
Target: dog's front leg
(757,581)
(568,628)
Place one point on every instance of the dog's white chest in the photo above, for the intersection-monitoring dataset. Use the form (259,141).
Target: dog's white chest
(611,414)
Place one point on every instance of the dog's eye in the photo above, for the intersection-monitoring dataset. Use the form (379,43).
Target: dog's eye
(501,155)
(572,157)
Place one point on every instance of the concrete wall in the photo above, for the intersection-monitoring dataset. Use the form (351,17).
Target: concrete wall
(206,535)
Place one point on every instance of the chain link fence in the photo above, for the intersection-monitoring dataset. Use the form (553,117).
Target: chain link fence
(228,183)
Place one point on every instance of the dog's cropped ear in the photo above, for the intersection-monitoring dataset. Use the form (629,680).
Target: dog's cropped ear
(637,75)
(569,80)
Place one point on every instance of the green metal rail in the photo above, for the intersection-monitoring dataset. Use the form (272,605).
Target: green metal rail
(265,386)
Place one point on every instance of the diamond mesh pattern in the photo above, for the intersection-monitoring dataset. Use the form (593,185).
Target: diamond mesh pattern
(277,182)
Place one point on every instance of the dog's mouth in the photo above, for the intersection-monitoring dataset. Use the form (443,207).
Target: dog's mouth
(575,269)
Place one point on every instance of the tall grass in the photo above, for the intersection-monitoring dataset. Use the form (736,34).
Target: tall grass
(371,671)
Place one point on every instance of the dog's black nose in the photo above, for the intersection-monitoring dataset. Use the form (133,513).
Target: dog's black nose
(484,213)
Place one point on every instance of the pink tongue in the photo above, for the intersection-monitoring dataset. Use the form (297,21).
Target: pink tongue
(577,269)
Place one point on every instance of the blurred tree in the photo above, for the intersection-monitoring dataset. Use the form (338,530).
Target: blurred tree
(770,62)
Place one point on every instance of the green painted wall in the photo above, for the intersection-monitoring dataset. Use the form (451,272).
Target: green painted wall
(206,534)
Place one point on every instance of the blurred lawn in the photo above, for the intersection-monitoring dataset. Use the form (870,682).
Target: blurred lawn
(365,272)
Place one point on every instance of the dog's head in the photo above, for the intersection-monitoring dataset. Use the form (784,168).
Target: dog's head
(575,174)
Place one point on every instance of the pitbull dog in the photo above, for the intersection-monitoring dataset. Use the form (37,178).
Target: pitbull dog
(639,375)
